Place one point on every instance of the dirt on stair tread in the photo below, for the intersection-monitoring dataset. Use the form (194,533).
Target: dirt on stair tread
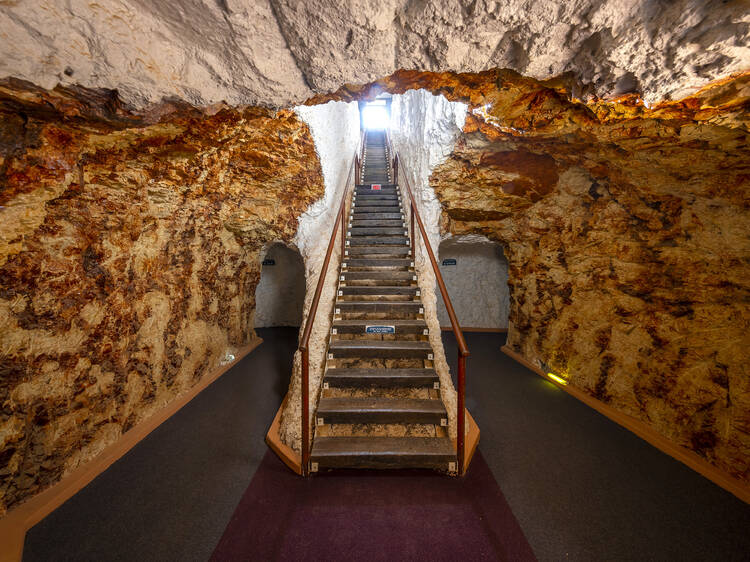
(384,445)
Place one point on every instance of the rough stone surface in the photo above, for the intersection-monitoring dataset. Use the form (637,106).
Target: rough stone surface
(280,52)
(129,256)
(626,236)
(335,129)
(477,284)
(425,128)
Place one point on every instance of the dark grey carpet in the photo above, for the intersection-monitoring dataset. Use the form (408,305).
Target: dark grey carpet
(581,487)
(173,494)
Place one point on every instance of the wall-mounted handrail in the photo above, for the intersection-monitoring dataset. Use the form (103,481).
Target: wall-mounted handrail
(305,341)
(399,169)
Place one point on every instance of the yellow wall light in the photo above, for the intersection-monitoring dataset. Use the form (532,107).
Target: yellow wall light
(557,379)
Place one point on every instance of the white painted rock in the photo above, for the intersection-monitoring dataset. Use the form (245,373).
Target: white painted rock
(280,52)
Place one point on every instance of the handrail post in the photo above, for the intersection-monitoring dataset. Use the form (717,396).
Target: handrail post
(305,341)
(463,350)
(305,410)
(460,415)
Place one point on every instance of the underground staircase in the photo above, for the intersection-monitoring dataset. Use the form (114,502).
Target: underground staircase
(380,404)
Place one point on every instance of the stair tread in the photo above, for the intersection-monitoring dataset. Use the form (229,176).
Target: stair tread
(372,377)
(375,372)
(379,289)
(378,240)
(414,304)
(378,275)
(396,446)
(381,322)
(380,344)
(376,404)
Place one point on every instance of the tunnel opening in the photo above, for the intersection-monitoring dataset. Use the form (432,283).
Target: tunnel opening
(475,272)
(280,294)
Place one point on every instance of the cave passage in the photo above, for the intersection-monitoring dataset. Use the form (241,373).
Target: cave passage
(173,178)
(475,272)
(280,294)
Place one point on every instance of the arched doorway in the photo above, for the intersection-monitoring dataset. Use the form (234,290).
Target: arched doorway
(280,294)
(475,272)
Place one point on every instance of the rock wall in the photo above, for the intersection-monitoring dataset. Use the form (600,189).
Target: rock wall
(626,236)
(477,283)
(424,128)
(335,128)
(129,255)
(280,52)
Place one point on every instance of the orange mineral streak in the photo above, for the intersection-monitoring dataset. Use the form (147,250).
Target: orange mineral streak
(625,228)
(129,254)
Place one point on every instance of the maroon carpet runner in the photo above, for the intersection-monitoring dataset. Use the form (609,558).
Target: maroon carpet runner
(367,515)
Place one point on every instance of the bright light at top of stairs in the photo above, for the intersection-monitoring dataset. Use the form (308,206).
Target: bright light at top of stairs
(375,115)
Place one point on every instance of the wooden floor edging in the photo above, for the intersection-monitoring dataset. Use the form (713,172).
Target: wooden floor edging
(273,439)
(18,521)
(648,434)
(472,440)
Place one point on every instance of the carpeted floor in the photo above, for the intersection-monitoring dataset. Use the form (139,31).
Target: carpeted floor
(581,487)
(370,515)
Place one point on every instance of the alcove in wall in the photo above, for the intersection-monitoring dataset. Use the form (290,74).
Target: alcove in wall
(475,272)
(280,295)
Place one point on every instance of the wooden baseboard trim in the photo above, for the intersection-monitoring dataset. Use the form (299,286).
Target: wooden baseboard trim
(473,329)
(273,439)
(648,434)
(17,521)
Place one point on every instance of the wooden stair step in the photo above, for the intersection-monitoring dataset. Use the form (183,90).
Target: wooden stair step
(366,378)
(375,203)
(379,290)
(366,187)
(378,275)
(367,209)
(381,410)
(391,349)
(379,262)
(383,452)
(400,307)
(359,325)
(378,240)
(378,216)
(375,230)
(381,250)
(375,196)
(377,222)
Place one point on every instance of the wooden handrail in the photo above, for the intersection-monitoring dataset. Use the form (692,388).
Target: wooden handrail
(463,351)
(305,341)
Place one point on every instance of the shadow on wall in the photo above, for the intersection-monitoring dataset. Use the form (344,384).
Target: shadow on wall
(476,275)
(280,295)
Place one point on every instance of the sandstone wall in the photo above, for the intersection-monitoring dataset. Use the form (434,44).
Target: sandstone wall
(335,128)
(424,129)
(626,231)
(129,257)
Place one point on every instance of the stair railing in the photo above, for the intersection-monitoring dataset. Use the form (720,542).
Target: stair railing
(354,172)
(463,350)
